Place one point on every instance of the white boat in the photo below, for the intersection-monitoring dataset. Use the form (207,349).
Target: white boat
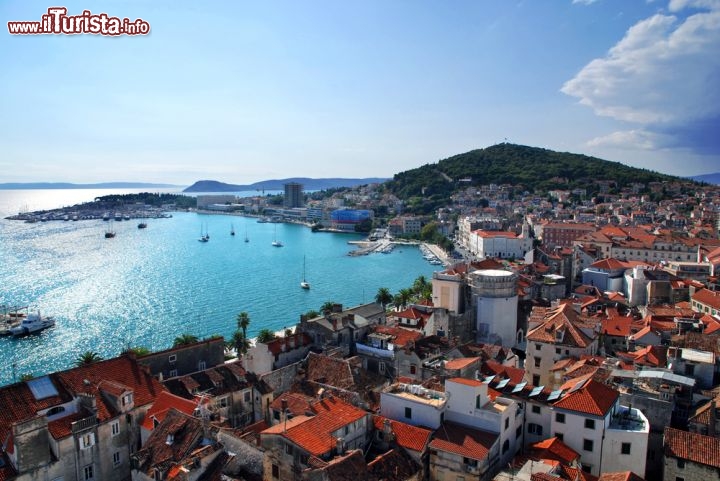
(275,242)
(31,324)
(304,284)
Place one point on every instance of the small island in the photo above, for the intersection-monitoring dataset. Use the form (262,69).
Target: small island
(119,207)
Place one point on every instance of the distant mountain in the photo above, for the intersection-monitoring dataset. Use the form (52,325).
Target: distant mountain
(278,184)
(530,168)
(66,185)
(708,178)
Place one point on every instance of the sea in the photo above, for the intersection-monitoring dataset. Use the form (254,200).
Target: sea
(145,287)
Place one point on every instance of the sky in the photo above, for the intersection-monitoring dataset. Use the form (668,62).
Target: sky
(240,91)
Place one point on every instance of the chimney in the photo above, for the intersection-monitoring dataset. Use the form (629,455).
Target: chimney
(339,446)
(388,434)
(284,406)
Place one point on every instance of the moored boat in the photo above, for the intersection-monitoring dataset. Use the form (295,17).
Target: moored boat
(34,322)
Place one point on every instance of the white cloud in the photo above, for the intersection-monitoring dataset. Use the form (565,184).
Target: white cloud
(665,70)
(637,139)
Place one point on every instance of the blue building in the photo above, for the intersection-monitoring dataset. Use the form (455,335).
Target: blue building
(347,219)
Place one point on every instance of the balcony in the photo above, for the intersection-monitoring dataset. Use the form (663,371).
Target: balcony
(629,419)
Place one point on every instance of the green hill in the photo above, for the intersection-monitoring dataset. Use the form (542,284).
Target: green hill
(529,168)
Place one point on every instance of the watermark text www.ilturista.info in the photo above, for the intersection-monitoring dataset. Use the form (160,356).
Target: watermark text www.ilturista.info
(57,21)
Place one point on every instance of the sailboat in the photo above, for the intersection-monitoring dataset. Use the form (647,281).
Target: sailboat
(232,229)
(304,284)
(204,237)
(247,239)
(275,242)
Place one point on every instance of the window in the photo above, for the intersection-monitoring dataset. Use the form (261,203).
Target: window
(560,418)
(589,424)
(587,445)
(408,413)
(536,409)
(275,471)
(172,358)
(173,372)
(87,440)
(518,432)
(201,365)
(507,423)
(223,402)
(625,448)
(413,369)
(247,396)
(681,464)
(381,367)
(560,436)
(558,350)
(536,380)
(537,361)
(127,399)
(679,478)
(116,459)
(506,446)
(288,449)
(115,428)
(535,429)
(88,472)
(538,347)
(586,468)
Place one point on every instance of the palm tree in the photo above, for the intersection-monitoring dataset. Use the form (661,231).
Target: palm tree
(239,342)
(311,314)
(184,340)
(421,284)
(402,298)
(87,357)
(383,296)
(265,335)
(139,350)
(243,321)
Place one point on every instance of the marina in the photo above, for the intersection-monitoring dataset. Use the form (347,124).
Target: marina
(147,286)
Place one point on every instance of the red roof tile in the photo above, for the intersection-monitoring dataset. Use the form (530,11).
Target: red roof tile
(554,448)
(163,403)
(516,375)
(461,362)
(692,447)
(707,297)
(593,398)
(401,336)
(463,441)
(314,433)
(406,435)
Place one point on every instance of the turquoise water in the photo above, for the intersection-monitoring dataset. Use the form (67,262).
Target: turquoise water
(147,286)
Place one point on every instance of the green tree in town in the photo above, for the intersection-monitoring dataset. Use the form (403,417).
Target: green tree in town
(239,342)
(184,340)
(327,307)
(87,357)
(383,297)
(243,321)
(266,335)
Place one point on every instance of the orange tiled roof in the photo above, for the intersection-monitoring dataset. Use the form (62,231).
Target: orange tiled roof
(617,326)
(401,335)
(593,398)
(707,297)
(406,435)
(692,447)
(466,382)
(463,441)
(516,375)
(621,476)
(314,433)
(460,363)
(163,403)
(560,319)
(554,448)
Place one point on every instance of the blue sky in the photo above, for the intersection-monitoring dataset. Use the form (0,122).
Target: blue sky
(245,91)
